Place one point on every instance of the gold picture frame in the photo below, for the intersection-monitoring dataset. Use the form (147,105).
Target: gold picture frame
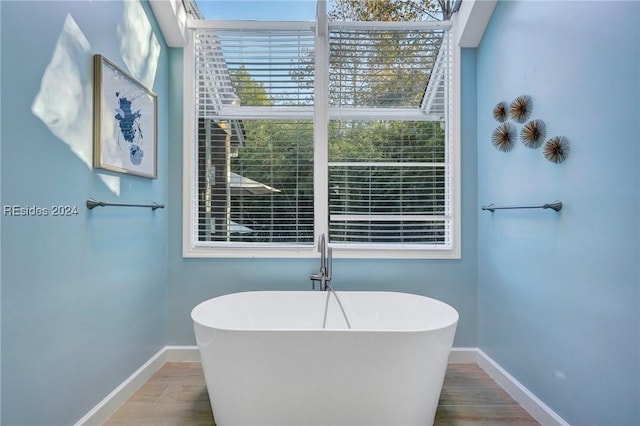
(125,122)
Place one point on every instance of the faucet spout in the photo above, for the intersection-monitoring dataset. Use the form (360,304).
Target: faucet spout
(324,276)
(329,263)
(322,246)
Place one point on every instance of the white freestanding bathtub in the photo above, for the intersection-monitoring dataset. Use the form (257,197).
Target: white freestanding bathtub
(268,360)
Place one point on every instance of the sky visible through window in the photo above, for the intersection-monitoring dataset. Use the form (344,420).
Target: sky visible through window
(260,10)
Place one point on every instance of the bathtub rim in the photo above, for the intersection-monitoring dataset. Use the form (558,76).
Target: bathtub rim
(453,323)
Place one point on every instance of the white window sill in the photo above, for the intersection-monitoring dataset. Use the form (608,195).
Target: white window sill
(311,252)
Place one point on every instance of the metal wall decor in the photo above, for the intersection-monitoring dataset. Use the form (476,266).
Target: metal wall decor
(503,136)
(500,112)
(533,133)
(520,109)
(556,149)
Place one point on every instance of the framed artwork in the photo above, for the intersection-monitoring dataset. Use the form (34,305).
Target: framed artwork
(125,122)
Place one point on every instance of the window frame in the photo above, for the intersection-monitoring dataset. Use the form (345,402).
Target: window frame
(194,249)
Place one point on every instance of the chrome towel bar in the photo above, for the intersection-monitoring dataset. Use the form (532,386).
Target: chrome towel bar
(91,203)
(556,205)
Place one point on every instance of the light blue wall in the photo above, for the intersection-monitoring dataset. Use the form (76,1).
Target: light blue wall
(194,280)
(558,293)
(83,297)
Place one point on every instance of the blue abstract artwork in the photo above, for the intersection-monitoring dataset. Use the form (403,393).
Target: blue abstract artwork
(129,123)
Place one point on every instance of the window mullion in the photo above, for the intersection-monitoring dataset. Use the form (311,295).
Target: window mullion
(321,123)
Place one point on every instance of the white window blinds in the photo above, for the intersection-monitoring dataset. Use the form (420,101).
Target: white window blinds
(255,142)
(380,67)
(388,183)
(389,164)
(255,67)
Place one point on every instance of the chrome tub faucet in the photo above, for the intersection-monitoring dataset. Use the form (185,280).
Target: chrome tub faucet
(326,260)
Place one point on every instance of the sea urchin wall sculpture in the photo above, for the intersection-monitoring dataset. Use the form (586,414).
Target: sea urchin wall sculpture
(533,133)
(520,109)
(500,112)
(503,136)
(556,149)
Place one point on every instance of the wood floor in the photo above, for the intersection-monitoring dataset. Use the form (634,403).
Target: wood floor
(177,396)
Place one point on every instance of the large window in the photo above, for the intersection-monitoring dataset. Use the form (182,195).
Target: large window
(300,128)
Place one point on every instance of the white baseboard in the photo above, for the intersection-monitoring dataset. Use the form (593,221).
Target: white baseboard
(534,406)
(182,353)
(112,402)
(463,356)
